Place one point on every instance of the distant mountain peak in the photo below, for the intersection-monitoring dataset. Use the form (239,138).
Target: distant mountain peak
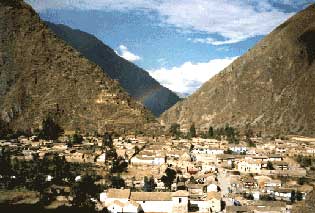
(271,87)
(136,81)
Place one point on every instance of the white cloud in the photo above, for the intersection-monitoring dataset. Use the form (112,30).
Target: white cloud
(126,54)
(216,42)
(188,77)
(234,20)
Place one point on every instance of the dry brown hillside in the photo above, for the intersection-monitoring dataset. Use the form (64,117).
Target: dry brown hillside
(272,86)
(40,74)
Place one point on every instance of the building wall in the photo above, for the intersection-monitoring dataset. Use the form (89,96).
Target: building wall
(156,206)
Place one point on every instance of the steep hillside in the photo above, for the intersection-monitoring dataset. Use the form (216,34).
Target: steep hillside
(40,74)
(136,81)
(272,86)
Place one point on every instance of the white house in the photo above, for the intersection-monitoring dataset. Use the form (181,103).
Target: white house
(249,166)
(101,158)
(207,150)
(161,201)
(214,200)
(141,160)
(111,195)
(122,200)
(212,187)
(117,206)
(212,203)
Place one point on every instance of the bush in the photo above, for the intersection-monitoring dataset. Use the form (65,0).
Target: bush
(51,130)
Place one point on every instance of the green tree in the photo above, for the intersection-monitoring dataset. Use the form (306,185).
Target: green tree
(169,178)
(4,129)
(293,196)
(192,179)
(249,133)
(51,130)
(270,166)
(231,134)
(84,190)
(192,131)
(107,140)
(149,184)
(299,196)
(77,139)
(117,182)
(175,130)
(119,165)
(137,150)
(210,132)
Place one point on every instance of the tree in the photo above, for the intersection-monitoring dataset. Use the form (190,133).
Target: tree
(117,182)
(175,130)
(192,131)
(149,184)
(249,133)
(84,190)
(5,162)
(119,165)
(4,129)
(77,139)
(301,180)
(293,196)
(107,140)
(299,196)
(51,130)
(137,150)
(270,166)
(192,179)
(231,134)
(169,178)
(210,132)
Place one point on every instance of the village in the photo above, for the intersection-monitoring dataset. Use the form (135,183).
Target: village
(166,173)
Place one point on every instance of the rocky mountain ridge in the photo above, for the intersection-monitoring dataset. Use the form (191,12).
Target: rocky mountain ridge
(136,81)
(40,74)
(271,87)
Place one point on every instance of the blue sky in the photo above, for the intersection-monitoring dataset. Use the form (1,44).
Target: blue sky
(182,43)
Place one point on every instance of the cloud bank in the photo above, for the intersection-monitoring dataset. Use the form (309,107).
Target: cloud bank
(189,76)
(233,20)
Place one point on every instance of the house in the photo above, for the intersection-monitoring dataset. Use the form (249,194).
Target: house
(122,200)
(238,149)
(273,158)
(111,195)
(101,158)
(249,166)
(284,194)
(214,201)
(281,150)
(305,189)
(196,191)
(249,182)
(148,160)
(212,187)
(161,201)
(281,165)
(207,150)
(210,203)
(130,206)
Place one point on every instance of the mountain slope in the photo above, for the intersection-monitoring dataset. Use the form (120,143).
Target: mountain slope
(136,81)
(272,86)
(40,75)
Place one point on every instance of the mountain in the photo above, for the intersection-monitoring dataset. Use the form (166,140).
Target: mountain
(271,87)
(40,74)
(136,81)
